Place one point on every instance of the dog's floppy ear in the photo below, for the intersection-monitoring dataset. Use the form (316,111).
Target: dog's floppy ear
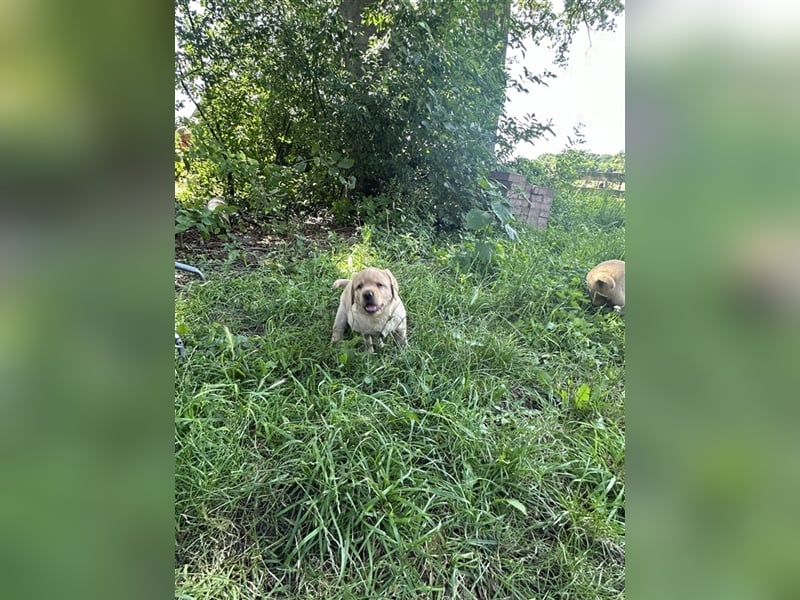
(605,281)
(392,282)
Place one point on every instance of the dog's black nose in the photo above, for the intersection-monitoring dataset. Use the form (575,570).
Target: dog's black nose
(368,296)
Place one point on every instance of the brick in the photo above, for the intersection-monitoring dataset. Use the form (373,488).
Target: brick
(530,204)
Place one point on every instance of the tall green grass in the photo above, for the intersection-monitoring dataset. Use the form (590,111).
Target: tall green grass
(485,460)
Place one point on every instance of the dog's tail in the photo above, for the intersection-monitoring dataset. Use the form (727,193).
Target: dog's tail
(340,283)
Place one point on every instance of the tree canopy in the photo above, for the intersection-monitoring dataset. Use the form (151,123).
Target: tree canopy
(354,105)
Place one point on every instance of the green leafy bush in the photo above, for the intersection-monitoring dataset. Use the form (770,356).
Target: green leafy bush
(208,223)
(411,93)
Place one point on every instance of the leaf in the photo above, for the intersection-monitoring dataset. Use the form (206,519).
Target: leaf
(544,378)
(582,396)
(345,163)
(485,251)
(511,232)
(484,183)
(502,210)
(518,505)
(229,339)
(477,219)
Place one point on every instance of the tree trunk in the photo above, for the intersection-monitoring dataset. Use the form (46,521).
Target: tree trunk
(352,10)
(497,17)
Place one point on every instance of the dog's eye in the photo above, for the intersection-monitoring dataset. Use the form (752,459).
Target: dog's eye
(379,284)
(359,286)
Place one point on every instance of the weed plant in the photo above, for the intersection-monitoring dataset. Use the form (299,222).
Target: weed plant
(485,460)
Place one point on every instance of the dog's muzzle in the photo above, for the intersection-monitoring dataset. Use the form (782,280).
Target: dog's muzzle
(369,305)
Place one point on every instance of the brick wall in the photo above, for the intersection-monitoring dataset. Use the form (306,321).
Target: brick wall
(529,203)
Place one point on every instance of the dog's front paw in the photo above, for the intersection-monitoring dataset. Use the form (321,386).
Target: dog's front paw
(400,339)
(370,343)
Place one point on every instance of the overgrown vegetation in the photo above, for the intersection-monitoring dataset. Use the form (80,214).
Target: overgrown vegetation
(573,206)
(486,460)
(372,110)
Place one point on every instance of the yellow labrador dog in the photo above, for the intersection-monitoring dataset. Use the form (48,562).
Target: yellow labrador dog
(607,284)
(371,306)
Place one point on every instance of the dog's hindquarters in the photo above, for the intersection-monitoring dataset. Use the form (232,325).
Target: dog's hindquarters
(340,322)
(606,283)
(601,286)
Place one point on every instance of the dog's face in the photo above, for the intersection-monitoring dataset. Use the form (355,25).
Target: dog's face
(372,289)
(370,305)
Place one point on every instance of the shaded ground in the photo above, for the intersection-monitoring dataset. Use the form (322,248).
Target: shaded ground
(250,245)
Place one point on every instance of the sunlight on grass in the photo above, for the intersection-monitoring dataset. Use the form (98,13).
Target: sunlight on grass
(358,256)
(484,460)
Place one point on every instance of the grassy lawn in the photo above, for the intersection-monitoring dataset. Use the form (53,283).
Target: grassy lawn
(486,460)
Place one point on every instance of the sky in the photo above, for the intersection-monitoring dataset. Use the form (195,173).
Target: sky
(590,90)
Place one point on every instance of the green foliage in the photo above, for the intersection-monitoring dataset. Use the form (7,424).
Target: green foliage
(410,98)
(580,208)
(481,246)
(556,29)
(484,460)
(562,171)
(208,223)
(573,205)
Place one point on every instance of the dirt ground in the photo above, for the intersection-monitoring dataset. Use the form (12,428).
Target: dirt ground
(250,245)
